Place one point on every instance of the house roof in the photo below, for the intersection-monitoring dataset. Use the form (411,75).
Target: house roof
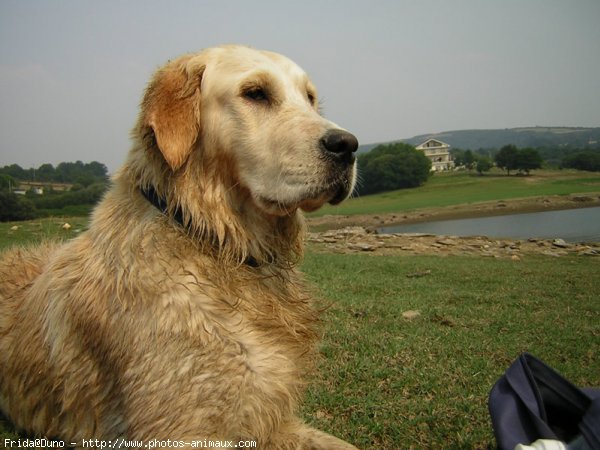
(435,142)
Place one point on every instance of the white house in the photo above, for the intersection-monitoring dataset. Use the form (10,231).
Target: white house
(439,154)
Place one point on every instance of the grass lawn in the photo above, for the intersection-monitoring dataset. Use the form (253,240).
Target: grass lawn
(32,231)
(387,382)
(457,188)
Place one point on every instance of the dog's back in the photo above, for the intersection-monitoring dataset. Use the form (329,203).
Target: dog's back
(48,385)
(19,267)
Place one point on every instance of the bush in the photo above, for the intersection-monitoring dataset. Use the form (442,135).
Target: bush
(15,207)
(84,196)
(393,166)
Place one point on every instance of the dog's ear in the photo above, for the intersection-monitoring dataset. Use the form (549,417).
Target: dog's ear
(171,107)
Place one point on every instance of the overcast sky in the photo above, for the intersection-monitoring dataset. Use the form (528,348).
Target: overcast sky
(72,72)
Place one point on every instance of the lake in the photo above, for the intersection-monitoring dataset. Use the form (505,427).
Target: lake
(572,225)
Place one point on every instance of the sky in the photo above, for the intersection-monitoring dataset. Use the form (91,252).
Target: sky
(72,72)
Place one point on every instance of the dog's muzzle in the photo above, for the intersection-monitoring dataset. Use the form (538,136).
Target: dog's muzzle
(339,146)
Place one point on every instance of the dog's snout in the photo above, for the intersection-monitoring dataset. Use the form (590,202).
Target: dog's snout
(339,142)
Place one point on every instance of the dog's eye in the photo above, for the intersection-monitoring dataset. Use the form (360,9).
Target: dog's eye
(311,97)
(257,94)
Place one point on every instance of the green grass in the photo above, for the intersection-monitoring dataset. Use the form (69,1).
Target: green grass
(456,188)
(32,231)
(390,383)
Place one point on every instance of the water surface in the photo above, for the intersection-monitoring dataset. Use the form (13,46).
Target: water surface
(572,225)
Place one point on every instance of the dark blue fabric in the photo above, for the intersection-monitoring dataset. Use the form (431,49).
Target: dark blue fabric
(590,423)
(531,401)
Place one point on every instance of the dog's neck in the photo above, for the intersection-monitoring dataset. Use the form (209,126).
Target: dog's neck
(161,204)
(217,214)
(177,215)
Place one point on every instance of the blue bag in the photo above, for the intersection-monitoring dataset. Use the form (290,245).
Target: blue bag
(531,401)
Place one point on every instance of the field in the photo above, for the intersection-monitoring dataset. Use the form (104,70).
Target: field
(390,382)
(31,231)
(458,188)
(387,382)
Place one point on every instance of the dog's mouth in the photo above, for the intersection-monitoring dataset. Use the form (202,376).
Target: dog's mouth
(313,203)
(309,201)
(333,196)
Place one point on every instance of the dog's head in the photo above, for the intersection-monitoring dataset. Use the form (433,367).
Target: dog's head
(259,111)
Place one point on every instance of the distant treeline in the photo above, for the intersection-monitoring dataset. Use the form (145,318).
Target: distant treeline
(388,167)
(587,160)
(78,172)
(551,157)
(86,184)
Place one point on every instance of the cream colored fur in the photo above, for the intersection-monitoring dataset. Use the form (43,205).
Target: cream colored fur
(146,329)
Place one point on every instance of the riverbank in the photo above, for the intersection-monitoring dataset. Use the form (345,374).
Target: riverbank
(351,240)
(470,210)
(358,233)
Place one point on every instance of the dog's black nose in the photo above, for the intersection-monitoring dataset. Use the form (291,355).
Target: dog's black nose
(339,142)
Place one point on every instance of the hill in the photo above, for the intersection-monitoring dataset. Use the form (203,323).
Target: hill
(536,137)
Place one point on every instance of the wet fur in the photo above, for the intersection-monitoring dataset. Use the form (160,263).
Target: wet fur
(145,329)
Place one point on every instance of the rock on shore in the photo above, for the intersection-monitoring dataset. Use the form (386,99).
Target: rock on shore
(360,239)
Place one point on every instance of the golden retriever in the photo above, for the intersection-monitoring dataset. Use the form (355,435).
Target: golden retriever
(179,313)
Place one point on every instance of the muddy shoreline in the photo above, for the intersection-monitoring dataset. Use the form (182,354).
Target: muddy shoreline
(358,234)
(361,240)
(472,210)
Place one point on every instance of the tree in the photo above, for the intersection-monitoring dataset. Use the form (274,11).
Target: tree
(392,166)
(15,171)
(484,164)
(458,155)
(97,170)
(469,159)
(506,158)
(511,158)
(45,173)
(528,159)
(7,182)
